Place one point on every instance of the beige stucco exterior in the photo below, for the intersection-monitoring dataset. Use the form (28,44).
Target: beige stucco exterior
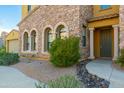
(25,10)
(12,42)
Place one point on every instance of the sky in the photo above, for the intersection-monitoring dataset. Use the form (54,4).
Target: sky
(10,16)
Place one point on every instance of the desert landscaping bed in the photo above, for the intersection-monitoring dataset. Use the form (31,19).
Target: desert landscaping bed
(89,80)
(43,70)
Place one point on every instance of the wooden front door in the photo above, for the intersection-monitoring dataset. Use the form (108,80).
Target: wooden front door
(106,43)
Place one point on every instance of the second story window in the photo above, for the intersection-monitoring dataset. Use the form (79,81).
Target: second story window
(105,6)
(29,8)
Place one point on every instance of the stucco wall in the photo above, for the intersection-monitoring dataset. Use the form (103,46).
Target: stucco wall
(97,11)
(11,37)
(25,10)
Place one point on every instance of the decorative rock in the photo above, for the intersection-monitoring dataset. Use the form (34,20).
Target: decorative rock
(89,80)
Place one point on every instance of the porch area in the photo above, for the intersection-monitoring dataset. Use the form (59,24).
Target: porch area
(104,69)
(104,42)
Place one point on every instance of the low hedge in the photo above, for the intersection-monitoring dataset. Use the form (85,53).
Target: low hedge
(8,58)
(2,50)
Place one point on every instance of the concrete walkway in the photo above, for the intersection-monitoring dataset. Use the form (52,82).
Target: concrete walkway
(104,69)
(13,78)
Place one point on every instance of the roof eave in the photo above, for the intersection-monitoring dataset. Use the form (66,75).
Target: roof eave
(103,17)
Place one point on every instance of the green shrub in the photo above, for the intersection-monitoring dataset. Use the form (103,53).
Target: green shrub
(41,85)
(65,52)
(8,58)
(2,49)
(120,59)
(67,81)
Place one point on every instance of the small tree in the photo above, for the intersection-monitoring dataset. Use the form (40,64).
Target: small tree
(120,59)
(65,52)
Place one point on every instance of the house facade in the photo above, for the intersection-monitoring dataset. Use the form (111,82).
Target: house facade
(45,23)
(98,27)
(12,41)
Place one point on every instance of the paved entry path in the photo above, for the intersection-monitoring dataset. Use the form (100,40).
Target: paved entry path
(104,69)
(13,78)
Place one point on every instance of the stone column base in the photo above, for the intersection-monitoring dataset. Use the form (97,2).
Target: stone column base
(91,57)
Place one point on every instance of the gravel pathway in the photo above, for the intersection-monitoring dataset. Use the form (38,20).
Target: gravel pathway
(43,71)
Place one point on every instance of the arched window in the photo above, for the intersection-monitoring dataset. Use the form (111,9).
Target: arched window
(33,40)
(61,31)
(25,40)
(47,39)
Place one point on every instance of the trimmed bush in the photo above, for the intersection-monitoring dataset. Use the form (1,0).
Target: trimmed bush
(2,50)
(8,58)
(120,59)
(65,52)
(67,81)
(40,84)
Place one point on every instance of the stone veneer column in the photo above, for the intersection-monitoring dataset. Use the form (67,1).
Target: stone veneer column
(29,42)
(91,43)
(121,26)
(115,27)
(53,36)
